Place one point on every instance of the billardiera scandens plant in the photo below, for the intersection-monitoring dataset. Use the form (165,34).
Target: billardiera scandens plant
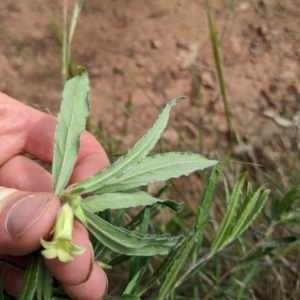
(105,190)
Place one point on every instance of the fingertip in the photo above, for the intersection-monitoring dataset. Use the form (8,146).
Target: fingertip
(25,217)
(93,289)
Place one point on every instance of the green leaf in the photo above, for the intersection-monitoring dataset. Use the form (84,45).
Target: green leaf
(286,203)
(158,168)
(279,242)
(138,265)
(135,154)
(274,204)
(219,66)
(178,266)
(31,277)
(203,210)
(160,271)
(193,269)
(121,200)
(252,209)
(75,15)
(230,216)
(127,242)
(44,285)
(71,123)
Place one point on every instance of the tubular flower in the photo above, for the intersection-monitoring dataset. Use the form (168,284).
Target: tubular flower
(61,246)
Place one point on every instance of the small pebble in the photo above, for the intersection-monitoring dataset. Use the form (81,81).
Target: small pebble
(156,44)
(256,51)
(243,6)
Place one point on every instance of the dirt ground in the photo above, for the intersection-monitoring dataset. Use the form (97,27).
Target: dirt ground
(140,50)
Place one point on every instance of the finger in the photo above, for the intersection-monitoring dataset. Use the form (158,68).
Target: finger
(81,267)
(24,218)
(24,174)
(12,278)
(93,289)
(33,132)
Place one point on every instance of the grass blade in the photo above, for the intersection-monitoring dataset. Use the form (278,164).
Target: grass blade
(74,20)
(229,219)
(121,200)
(160,271)
(45,280)
(138,265)
(250,212)
(159,167)
(135,154)
(70,124)
(31,277)
(203,209)
(286,203)
(178,266)
(218,63)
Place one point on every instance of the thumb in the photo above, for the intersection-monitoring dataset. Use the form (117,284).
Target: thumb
(25,217)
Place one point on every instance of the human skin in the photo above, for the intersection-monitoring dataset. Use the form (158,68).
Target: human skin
(27,186)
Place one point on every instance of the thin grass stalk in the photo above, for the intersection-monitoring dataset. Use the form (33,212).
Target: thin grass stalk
(219,66)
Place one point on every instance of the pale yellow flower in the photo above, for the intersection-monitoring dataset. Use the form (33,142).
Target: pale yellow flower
(61,246)
(64,250)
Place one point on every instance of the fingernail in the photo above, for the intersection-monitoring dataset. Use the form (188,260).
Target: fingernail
(26,212)
(106,289)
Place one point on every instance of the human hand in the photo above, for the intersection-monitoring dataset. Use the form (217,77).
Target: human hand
(28,207)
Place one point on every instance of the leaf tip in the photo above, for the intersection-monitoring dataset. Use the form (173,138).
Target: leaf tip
(82,70)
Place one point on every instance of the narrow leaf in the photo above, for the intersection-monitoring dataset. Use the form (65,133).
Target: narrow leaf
(219,66)
(203,210)
(44,285)
(230,215)
(286,203)
(31,277)
(131,286)
(70,124)
(160,271)
(138,264)
(135,154)
(158,168)
(127,242)
(193,269)
(121,200)
(178,266)
(250,212)
(75,15)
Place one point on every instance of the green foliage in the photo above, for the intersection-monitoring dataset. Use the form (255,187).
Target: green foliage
(126,242)
(134,156)
(70,124)
(31,277)
(125,200)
